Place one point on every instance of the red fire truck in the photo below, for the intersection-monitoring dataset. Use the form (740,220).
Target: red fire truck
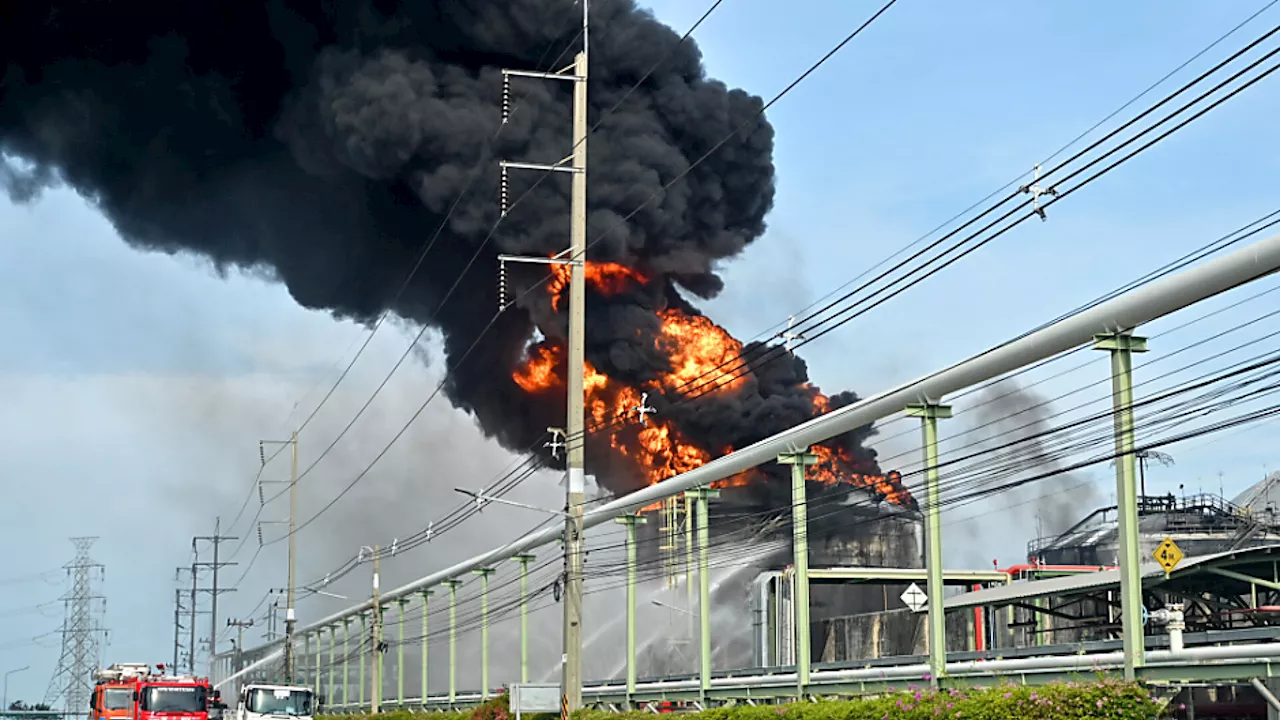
(151,695)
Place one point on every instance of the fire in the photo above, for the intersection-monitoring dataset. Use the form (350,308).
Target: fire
(703,357)
(608,278)
(539,371)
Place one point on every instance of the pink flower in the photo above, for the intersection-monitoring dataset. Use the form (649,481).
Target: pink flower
(1099,704)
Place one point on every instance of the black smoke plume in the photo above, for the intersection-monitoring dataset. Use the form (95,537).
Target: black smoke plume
(322,143)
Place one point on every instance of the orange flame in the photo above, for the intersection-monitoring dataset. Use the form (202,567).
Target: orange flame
(539,371)
(703,357)
(608,278)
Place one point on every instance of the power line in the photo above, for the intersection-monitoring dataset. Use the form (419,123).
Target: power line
(1132,154)
(1210,314)
(1213,247)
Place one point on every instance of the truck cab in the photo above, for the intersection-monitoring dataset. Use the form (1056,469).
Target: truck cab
(113,691)
(111,701)
(268,701)
(173,698)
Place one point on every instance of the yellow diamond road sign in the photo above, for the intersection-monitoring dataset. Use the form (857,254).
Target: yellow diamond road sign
(1168,554)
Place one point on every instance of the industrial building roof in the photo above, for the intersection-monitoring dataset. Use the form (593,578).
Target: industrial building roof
(1152,574)
(1261,496)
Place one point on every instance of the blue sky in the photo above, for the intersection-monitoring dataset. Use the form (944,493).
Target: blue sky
(136,386)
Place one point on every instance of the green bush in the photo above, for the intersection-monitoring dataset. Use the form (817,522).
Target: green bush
(1066,701)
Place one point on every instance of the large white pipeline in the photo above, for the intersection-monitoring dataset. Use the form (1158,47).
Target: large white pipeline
(1131,309)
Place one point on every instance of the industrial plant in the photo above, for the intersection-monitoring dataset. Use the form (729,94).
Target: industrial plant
(1064,598)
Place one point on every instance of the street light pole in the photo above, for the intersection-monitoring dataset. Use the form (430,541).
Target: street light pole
(6,685)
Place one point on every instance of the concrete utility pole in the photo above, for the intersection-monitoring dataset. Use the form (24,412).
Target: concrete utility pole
(191,620)
(239,625)
(575,427)
(1122,345)
(290,617)
(800,548)
(929,413)
(216,540)
(177,625)
(377,638)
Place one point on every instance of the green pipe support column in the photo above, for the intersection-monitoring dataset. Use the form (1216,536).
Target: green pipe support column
(319,662)
(304,671)
(333,643)
(426,648)
(1121,346)
(702,496)
(319,656)
(630,521)
(400,657)
(688,563)
(800,546)
(453,639)
(319,686)
(346,663)
(484,574)
(524,560)
(929,413)
(364,638)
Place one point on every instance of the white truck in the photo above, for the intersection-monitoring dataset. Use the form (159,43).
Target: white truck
(270,701)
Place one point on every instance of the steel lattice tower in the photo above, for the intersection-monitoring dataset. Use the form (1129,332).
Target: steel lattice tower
(72,682)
